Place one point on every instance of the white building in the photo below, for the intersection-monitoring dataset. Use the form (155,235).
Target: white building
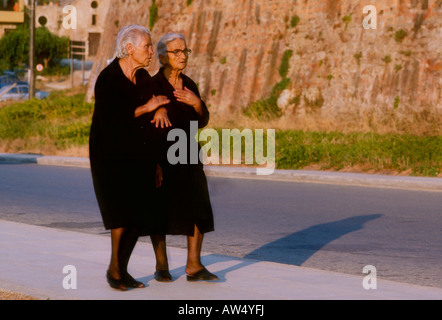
(60,17)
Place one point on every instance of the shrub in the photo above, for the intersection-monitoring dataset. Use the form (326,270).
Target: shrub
(153,15)
(294,21)
(400,35)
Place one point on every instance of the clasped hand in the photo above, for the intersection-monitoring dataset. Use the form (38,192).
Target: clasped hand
(187,96)
(160,118)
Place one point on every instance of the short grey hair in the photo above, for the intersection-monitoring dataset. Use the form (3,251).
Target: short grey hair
(162,43)
(129,34)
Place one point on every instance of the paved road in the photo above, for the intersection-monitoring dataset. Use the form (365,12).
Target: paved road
(327,227)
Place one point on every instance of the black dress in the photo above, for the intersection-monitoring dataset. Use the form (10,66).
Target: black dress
(122,167)
(184,184)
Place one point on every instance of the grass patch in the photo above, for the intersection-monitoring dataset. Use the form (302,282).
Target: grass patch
(420,156)
(267,108)
(57,122)
(368,152)
(62,122)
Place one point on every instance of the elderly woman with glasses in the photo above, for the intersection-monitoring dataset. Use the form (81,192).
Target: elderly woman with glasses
(123,169)
(189,209)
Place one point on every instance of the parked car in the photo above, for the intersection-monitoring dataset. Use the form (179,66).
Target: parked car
(19,91)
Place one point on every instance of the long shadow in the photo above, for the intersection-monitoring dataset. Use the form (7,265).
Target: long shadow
(298,247)
(293,249)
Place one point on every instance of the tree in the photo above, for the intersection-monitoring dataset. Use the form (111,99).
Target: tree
(14,47)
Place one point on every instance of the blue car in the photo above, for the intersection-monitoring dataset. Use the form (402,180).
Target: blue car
(19,91)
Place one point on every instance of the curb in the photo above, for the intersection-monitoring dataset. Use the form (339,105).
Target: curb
(307,176)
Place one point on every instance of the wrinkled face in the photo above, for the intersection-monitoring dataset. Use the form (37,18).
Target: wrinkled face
(177,54)
(142,53)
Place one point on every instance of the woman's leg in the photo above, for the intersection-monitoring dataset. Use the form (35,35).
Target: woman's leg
(128,241)
(162,264)
(114,272)
(194,245)
(194,268)
(123,243)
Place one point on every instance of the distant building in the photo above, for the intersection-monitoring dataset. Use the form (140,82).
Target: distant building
(11,14)
(90,15)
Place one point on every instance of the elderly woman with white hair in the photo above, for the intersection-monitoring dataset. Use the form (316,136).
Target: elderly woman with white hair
(123,169)
(189,210)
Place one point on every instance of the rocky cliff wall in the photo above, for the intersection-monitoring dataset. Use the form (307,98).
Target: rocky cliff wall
(339,72)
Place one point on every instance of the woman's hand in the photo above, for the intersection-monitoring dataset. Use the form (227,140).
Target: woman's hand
(161,118)
(151,105)
(187,96)
(157,101)
(158,176)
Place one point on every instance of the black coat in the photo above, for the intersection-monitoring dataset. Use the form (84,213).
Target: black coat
(184,184)
(122,165)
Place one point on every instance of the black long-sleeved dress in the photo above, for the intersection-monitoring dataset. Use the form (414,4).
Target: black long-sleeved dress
(122,159)
(184,184)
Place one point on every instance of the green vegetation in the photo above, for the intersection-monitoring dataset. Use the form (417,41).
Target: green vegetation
(419,155)
(315,104)
(62,121)
(54,123)
(188,2)
(294,21)
(267,109)
(396,103)
(386,59)
(14,48)
(284,66)
(153,15)
(369,152)
(347,20)
(400,35)
(407,53)
(358,57)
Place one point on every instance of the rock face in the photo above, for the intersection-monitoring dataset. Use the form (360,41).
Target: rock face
(341,71)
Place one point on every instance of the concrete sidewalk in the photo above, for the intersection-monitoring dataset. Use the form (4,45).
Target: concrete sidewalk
(33,259)
(326,177)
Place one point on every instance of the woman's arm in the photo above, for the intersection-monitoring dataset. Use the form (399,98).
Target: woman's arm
(151,105)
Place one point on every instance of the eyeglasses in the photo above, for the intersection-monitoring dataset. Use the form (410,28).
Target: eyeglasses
(178,52)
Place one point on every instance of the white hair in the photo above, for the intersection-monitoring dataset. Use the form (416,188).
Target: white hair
(162,43)
(129,34)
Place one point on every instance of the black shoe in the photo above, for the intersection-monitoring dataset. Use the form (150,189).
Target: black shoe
(163,276)
(130,282)
(118,284)
(203,274)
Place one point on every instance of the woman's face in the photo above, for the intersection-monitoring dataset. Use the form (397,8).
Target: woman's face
(143,52)
(177,54)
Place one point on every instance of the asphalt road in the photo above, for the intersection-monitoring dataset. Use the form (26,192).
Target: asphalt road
(328,227)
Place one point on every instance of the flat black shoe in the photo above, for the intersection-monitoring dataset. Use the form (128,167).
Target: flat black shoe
(118,284)
(163,276)
(203,274)
(130,282)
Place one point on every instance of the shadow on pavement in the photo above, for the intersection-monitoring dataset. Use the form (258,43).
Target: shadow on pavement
(298,247)
(294,249)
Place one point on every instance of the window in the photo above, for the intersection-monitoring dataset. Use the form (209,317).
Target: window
(94,19)
(42,20)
